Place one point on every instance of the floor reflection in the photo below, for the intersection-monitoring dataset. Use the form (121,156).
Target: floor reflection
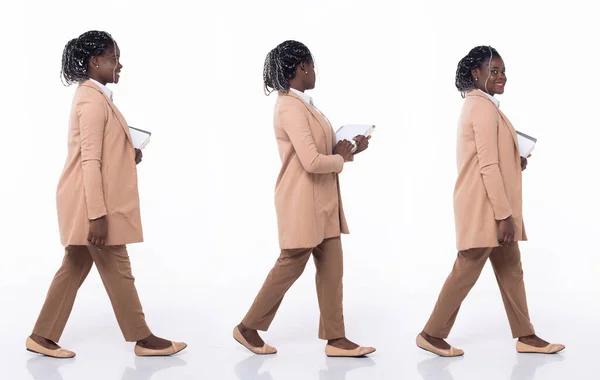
(337,368)
(249,369)
(437,368)
(44,368)
(527,365)
(145,368)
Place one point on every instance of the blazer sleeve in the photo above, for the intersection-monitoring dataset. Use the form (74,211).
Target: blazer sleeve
(92,121)
(484,119)
(296,125)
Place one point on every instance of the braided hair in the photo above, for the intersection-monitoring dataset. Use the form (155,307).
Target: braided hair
(476,58)
(280,65)
(78,51)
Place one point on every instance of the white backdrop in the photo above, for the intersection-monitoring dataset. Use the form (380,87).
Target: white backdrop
(193,76)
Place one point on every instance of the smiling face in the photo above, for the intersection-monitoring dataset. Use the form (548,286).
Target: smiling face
(106,68)
(491,76)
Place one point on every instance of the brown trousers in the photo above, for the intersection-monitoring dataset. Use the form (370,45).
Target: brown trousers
(287,269)
(115,270)
(506,262)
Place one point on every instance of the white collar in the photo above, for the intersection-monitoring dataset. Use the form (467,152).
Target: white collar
(104,89)
(303,96)
(494,100)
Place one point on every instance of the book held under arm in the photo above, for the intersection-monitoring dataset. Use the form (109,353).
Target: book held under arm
(139,137)
(526,144)
(350,131)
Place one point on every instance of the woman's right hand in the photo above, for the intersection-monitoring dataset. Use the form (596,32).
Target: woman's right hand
(506,231)
(344,148)
(98,232)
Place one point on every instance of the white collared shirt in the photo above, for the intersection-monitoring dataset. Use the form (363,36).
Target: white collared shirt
(303,96)
(104,89)
(309,100)
(494,100)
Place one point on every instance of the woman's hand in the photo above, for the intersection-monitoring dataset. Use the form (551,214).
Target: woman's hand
(506,231)
(98,232)
(344,148)
(524,162)
(362,143)
(138,156)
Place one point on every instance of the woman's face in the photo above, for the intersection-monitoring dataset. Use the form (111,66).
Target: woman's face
(106,68)
(491,77)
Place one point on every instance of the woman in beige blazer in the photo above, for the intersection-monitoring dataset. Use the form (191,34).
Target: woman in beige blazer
(97,203)
(309,209)
(487,207)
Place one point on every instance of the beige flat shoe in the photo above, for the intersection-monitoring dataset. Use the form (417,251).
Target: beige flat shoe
(549,349)
(425,345)
(334,352)
(172,350)
(36,348)
(264,350)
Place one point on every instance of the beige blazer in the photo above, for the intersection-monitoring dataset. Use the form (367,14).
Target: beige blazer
(488,188)
(307,193)
(100,176)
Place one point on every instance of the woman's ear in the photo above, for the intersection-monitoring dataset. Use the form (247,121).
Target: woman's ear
(94,61)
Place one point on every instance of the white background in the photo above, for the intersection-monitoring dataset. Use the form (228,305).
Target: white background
(193,76)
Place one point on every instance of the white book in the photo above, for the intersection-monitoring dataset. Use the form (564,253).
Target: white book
(526,144)
(139,137)
(350,131)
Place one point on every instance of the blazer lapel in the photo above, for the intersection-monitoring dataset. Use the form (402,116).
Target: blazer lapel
(323,122)
(510,127)
(503,117)
(120,118)
(113,107)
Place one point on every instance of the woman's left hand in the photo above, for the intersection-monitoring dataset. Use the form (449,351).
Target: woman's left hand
(362,143)
(138,156)
(524,162)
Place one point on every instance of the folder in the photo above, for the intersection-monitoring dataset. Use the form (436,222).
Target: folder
(526,144)
(350,131)
(139,137)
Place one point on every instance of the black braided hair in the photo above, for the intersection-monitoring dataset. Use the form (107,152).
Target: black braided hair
(78,51)
(280,65)
(476,58)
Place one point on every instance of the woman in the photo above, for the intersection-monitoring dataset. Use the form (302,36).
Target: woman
(487,207)
(307,198)
(97,202)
